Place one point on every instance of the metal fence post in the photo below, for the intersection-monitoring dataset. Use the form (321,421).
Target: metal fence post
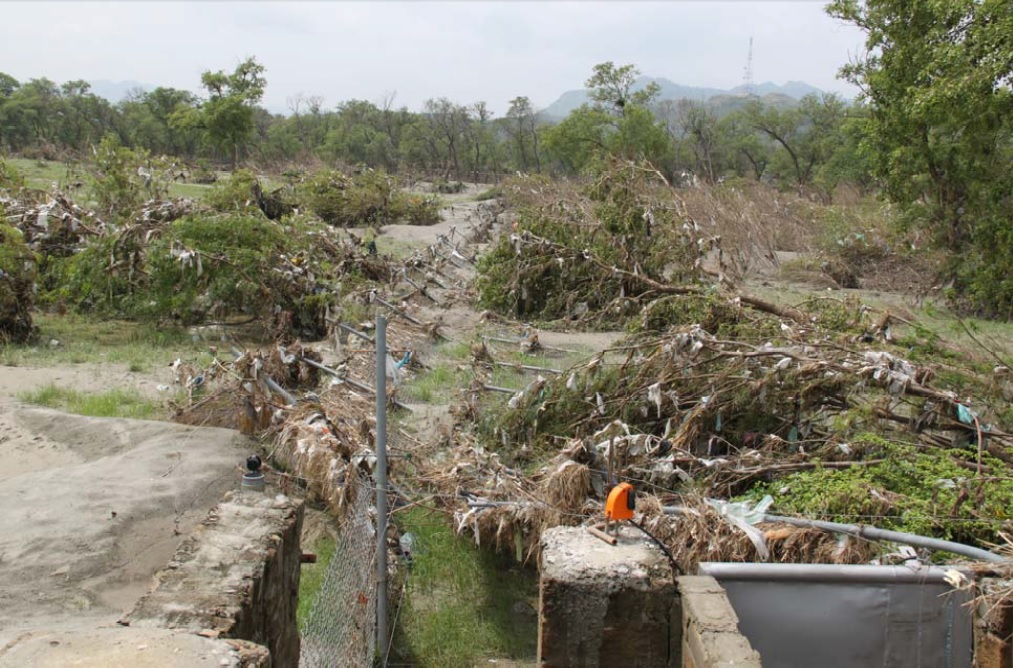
(381,485)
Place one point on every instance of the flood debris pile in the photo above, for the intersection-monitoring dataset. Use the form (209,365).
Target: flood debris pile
(717,399)
(831,425)
(594,254)
(245,252)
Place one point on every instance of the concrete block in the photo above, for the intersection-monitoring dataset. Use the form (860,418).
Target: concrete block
(606,605)
(236,576)
(710,632)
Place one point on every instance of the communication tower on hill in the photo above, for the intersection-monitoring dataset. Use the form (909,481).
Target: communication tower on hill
(747,72)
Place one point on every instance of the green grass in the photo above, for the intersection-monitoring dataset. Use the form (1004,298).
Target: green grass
(931,317)
(113,403)
(463,606)
(77,339)
(438,385)
(311,577)
(191,190)
(42,174)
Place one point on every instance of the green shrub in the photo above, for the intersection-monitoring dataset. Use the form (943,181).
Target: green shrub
(124,179)
(18,272)
(919,490)
(370,198)
(345,201)
(234,194)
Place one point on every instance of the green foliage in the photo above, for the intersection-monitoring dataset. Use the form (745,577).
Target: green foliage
(234,193)
(10,178)
(18,275)
(205,266)
(123,179)
(112,403)
(368,198)
(936,76)
(915,489)
(228,116)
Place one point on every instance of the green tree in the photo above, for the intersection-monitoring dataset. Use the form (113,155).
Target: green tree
(228,115)
(611,88)
(618,123)
(806,133)
(938,78)
(521,126)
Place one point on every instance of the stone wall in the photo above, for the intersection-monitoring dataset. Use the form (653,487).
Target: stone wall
(236,576)
(710,631)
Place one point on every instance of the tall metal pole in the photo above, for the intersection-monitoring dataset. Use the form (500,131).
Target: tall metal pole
(381,485)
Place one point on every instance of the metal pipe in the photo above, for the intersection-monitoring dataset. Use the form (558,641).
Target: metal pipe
(271,385)
(352,330)
(824,572)
(502,390)
(397,311)
(872,533)
(528,367)
(351,381)
(381,484)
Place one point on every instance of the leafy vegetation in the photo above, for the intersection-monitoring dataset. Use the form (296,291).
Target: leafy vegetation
(915,489)
(369,198)
(18,275)
(936,77)
(592,250)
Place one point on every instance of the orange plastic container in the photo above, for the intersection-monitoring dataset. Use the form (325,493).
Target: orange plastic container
(621,502)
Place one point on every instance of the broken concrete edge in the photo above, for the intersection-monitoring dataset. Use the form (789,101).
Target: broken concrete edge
(235,577)
(601,604)
(710,627)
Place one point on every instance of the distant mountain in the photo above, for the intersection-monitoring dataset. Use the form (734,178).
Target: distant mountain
(572,99)
(115,91)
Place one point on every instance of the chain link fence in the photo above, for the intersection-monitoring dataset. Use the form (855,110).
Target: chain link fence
(340,629)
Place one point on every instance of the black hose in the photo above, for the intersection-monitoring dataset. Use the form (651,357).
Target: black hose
(676,570)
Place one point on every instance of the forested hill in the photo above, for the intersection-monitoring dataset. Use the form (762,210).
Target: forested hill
(668,90)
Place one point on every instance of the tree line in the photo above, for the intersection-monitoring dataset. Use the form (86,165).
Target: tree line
(801,144)
(931,131)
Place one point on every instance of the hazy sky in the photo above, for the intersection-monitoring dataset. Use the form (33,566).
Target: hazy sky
(468,51)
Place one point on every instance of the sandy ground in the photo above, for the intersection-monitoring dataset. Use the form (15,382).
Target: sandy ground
(94,507)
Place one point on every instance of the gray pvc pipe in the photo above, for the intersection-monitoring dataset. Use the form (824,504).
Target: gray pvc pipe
(935,544)
(872,533)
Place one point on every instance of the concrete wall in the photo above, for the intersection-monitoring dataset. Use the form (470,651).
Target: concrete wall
(603,605)
(236,576)
(710,631)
